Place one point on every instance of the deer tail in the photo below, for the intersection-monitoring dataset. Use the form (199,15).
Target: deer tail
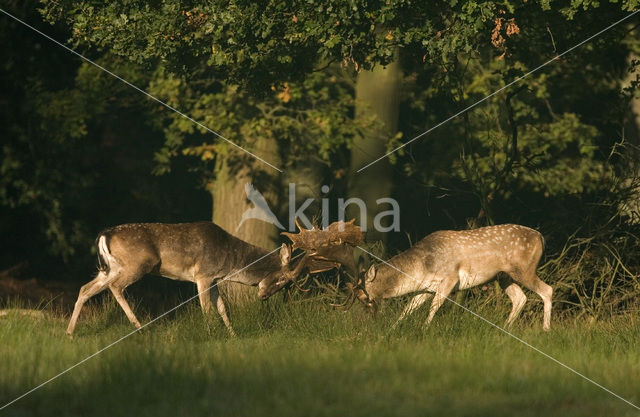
(544,246)
(103,253)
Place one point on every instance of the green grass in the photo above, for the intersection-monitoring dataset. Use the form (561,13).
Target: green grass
(305,358)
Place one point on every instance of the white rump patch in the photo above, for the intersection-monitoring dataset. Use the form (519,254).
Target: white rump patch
(106,255)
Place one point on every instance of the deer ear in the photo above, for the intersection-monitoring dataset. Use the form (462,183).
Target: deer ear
(371,273)
(285,254)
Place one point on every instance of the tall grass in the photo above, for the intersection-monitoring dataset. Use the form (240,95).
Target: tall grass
(303,357)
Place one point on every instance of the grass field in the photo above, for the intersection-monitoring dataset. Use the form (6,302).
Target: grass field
(305,358)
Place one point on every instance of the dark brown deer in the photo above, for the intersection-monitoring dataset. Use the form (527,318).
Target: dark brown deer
(446,260)
(201,252)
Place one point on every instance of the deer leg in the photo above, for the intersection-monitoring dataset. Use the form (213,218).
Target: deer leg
(415,302)
(545,292)
(518,299)
(444,289)
(217,298)
(535,284)
(87,291)
(119,296)
(204,288)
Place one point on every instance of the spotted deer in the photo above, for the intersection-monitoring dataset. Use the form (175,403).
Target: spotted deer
(448,260)
(201,252)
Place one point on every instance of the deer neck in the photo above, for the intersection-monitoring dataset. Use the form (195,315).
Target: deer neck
(377,287)
(403,277)
(259,264)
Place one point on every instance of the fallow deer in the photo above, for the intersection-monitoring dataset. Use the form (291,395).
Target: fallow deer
(446,260)
(200,252)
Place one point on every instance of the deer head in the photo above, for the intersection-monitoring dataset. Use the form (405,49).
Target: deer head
(359,291)
(287,273)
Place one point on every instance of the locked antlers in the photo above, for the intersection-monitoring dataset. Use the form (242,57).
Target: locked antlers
(330,247)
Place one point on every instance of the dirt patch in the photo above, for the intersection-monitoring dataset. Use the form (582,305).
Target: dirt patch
(15,284)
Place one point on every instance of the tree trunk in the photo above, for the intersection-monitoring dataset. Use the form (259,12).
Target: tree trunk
(377,94)
(233,172)
(307,175)
(632,126)
(632,131)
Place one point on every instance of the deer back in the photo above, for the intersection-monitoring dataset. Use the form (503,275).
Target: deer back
(474,256)
(185,250)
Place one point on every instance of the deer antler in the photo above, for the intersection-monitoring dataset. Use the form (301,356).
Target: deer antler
(349,301)
(336,233)
(330,247)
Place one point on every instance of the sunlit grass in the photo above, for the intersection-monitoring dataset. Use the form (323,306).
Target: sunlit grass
(306,358)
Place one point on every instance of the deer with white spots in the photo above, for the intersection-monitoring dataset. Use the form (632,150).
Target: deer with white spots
(447,260)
